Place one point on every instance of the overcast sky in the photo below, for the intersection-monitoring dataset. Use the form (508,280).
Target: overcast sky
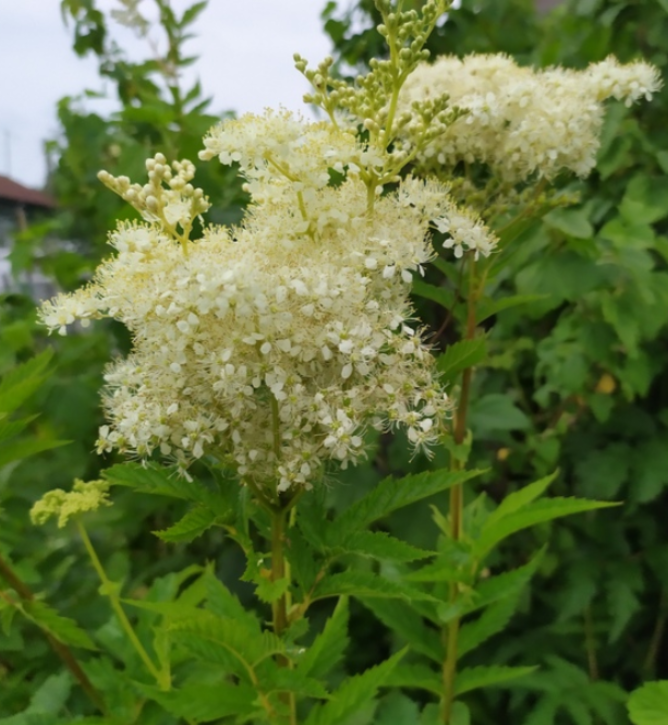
(245,49)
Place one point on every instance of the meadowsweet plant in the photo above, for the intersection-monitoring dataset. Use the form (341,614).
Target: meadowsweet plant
(267,357)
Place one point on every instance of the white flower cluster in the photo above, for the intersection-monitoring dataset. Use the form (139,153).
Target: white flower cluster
(522,121)
(272,346)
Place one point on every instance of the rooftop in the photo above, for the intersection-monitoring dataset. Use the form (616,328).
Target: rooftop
(15,192)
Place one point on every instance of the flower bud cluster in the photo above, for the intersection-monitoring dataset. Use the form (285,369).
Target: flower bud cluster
(371,100)
(273,346)
(168,198)
(83,497)
(520,121)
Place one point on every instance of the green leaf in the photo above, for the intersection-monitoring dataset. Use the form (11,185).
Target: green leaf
(191,14)
(460,356)
(445,297)
(193,524)
(160,481)
(198,703)
(52,694)
(353,695)
(11,428)
(329,646)
(572,222)
(519,499)
(382,546)
(365,584)
(471,678)
(17,450)
(226,638)
(416,676)
(404,620)
(64,629)
(22,381)
(493,620)
(649,704)
(649,471)
(645,199)
(223,603)
(537,512)
(488,307)
(388,496)
(495,412)
(503,585)
(397,709)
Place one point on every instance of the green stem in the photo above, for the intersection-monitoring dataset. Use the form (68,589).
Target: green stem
(110,590)
(451,631)
(62,650)
(590,644)
(649,665)
(279,608)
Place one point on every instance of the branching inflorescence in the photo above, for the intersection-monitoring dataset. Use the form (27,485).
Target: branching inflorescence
(274,346)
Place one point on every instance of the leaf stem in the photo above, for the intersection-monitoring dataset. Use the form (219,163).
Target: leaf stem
(62,650)
(110,589)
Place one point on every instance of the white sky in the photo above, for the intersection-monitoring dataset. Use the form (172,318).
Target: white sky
(245,49)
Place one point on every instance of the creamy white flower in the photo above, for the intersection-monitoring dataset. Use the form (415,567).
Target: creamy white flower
(522,121)
(272,346)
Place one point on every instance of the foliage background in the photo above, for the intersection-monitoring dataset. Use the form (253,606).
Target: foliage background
(576,380)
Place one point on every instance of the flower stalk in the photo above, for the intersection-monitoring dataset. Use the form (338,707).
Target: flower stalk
(110,589)
(62,650)
(451,631)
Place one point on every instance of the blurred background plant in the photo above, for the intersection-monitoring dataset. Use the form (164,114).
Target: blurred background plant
(576,379)
(156,112)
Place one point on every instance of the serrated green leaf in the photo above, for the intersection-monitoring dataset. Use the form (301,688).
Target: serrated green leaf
(535,513)
(503,585)
(460,356)
(353,695)
(519,499)
(223,603)
(416,676)
(329,646)
(201,703)
(365,584)
(492,621)
(159,481)
(64,629)
(281,679)
(193,524)
(244,644)
(382,546)
(388,496)
(402,618)
(649,704)
(471,678)
(488,306)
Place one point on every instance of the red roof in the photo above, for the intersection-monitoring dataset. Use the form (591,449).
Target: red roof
(13,191)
